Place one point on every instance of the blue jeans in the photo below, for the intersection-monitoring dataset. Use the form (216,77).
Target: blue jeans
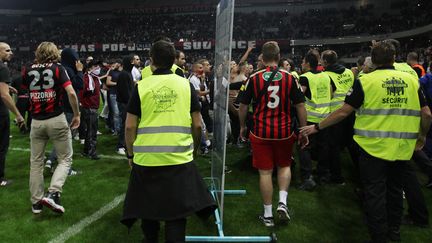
(115,112)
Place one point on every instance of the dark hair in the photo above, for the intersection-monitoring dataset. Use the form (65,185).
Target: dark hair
(291,62)
(383,54)
(312,59)
(396,45)
(177,56)
(162,37)
(281,61)
(162,54)
(361,60)
(270,51)
(329,57)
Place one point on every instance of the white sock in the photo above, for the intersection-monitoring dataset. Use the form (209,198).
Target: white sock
(283,197)
(268,211)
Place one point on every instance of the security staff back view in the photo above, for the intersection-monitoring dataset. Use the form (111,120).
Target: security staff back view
(391,112)
(163,129)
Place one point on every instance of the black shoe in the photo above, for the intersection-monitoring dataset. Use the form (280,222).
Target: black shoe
(307,185)
(283,212)
(85,154)
(394,235)
(37,208)
(52,201)
(94,157)
(267,221)
(73,172)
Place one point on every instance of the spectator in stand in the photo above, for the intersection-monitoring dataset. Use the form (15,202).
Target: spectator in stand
(90,104)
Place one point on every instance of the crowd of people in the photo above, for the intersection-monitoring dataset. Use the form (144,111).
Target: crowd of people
(285,24)
(274,100)
(299,102)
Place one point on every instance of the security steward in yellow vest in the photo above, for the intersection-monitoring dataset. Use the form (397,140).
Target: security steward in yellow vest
(163,129)
(391,122)
(317,88)
(341,134)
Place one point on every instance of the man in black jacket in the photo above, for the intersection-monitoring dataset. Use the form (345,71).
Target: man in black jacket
(125,84)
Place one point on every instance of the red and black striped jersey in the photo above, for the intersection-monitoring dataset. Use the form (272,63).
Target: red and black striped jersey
(272,116)
(46,83)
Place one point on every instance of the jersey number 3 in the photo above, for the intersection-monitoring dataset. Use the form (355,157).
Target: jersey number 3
(272,104)
(47,80)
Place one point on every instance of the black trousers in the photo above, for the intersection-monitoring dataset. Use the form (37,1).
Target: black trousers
(423,161)
(90,118)
(318,149)
(4,142)
(235,125)
(175,230)
(415,199)
(382,194)
(341,136)
(23,106)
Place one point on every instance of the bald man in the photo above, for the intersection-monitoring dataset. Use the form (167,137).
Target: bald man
(6,103)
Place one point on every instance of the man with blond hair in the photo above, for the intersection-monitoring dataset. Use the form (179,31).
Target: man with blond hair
(47,81)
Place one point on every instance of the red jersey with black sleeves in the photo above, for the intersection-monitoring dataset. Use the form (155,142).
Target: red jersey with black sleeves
(272,113)
(46,83)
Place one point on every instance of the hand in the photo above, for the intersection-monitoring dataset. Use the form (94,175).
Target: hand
(243,133)
(79,66)
(12,90)
(20,122)
(130,161)
(250,48)
(75,122)
(303,141)
(308,130)
(421,140)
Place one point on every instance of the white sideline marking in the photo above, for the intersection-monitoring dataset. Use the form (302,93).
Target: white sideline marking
(78,227)
(100,155)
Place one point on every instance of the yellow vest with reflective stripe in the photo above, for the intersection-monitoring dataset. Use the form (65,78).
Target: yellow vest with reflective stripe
(404,67)
(343,83)
(164,132)
(388,122)
(318,107)
(295,74)
(147,72)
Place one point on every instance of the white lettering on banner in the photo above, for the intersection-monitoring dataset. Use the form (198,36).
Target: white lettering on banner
(91,48)
(114,47)
(105,47)
(241,44)
(131,47)
(122,47)
(83,48)
(187,45)
(196,45)
(207,45)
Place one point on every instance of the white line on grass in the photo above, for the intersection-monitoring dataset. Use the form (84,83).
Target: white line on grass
(100,155)
(78,227)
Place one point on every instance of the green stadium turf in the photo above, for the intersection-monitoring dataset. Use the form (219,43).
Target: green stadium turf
(329,214)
